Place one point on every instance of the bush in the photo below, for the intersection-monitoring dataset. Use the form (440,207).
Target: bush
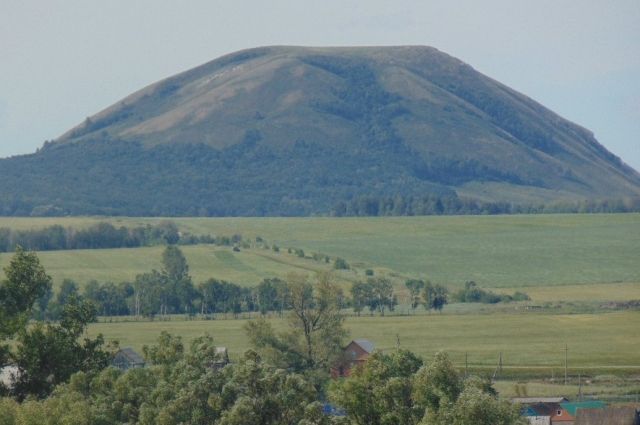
(472,293)
(341,264)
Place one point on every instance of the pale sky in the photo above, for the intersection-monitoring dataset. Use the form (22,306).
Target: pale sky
(63,60)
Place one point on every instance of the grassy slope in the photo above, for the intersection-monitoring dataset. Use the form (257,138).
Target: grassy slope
(495,251)
(247,267)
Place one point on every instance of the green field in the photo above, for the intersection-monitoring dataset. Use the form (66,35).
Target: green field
(247,267)
(594,341)
(495,251)
(571,263)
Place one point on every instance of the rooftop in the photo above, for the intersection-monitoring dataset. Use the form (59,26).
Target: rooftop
(573,408)
(365,344)
(131,355)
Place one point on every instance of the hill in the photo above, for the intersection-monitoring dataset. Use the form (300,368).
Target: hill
(296,130)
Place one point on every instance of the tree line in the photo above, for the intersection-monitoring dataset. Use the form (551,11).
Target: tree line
(451,204)
(104,235)
(171,290)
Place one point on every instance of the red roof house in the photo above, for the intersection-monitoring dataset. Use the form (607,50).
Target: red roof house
(355,353)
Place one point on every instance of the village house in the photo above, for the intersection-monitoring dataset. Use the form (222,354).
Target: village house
(126,358)
(355,353)
(222,358)
(554,410)
(567,416)
(539,410)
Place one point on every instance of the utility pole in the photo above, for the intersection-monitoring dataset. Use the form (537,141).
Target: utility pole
(466,365)
(565,363)
(580,387)
(499,368)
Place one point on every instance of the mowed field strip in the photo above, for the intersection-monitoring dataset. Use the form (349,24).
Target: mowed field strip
(526,340)
(514,251)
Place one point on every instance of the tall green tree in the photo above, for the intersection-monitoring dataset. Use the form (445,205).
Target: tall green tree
(25,282)
(382,296)
(361,296)
(415,287)
(437,383)
(380,391)
(178,291)
(435,296)
(317,326)
(48,355)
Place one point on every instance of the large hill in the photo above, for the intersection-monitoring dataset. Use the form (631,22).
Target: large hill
(296,130)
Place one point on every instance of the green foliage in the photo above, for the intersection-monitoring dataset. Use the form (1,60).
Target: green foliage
(474,294)
(317,332)
(475,407)
(160,183)
(341,264)
(96,236)
(168,351)
(26,281)
(438,383)
(379,392)
(48,354)
(435,297)
(272,295)
(396,389)
(185,390)
(415,287)
(376,294)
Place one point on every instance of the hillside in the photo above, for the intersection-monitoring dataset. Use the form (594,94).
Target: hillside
(295,130)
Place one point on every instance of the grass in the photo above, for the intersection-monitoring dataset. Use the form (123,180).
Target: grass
(582,293)
(520,251)
(247,267)
(619,389)
(573,258)
(526,340)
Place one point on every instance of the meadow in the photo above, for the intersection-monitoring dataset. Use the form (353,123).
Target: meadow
(535,341)
(516,251)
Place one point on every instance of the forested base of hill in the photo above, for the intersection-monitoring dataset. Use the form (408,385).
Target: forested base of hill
(372,206)
(121,178)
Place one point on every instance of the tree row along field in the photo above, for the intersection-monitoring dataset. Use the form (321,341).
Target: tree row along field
(494,251)
(536,341)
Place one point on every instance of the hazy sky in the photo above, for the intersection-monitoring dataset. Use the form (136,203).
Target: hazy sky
(63,60)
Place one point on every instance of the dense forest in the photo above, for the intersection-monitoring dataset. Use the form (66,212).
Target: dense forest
(363,206)
(107,177)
